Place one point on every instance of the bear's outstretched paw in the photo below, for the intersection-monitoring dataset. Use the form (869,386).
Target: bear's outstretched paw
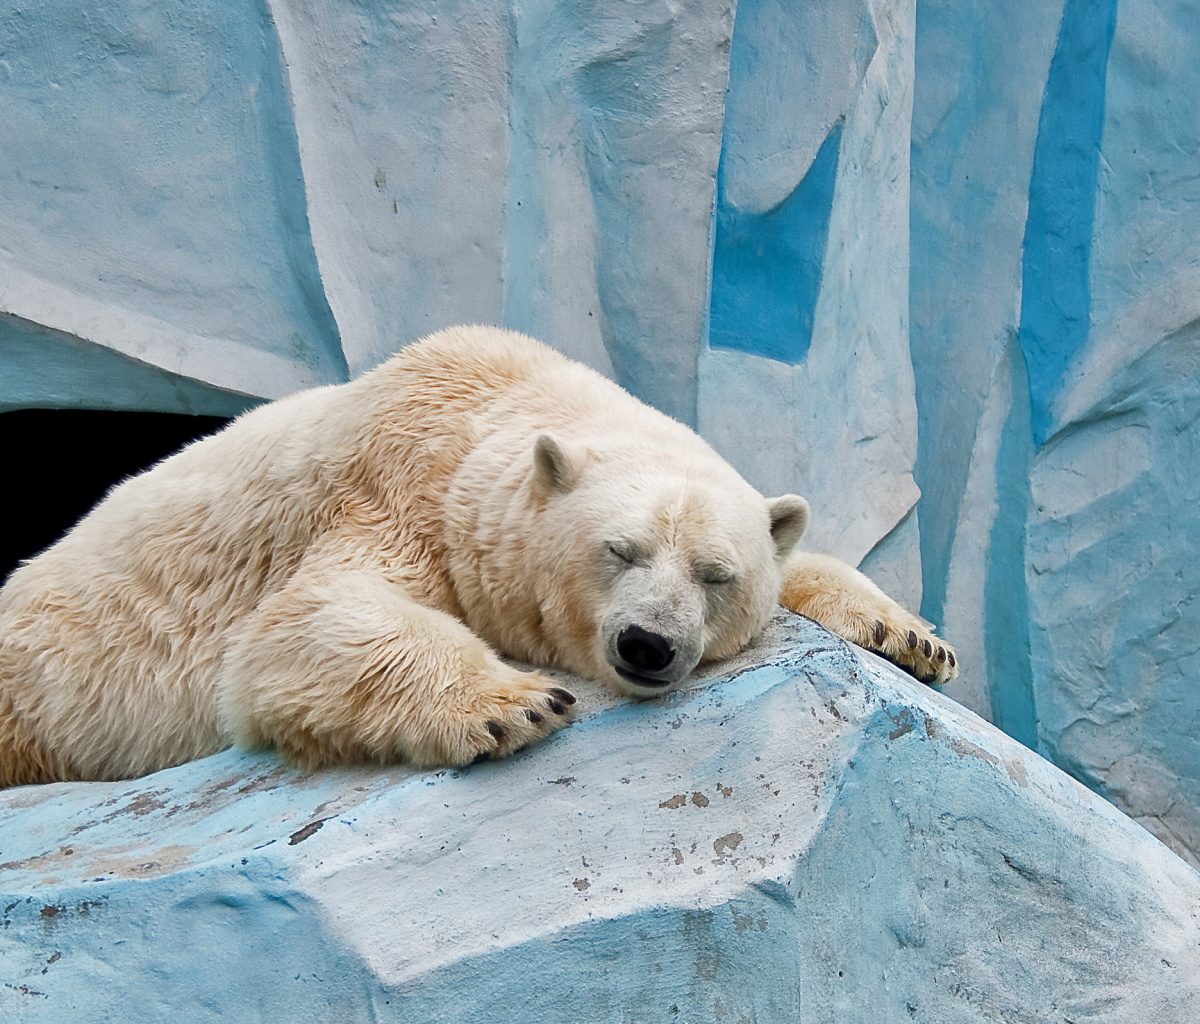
(884,627)
(499,720)
(912,646)
(847,603)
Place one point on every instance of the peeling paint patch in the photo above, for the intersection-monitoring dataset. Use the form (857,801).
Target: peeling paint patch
(25,990)
(964,748)
(40,861)
(904,724)
(51,912)
(309,830)
(138,865)
(1016,771)
(268,781)
(678,800)
(140,804)
(726,844)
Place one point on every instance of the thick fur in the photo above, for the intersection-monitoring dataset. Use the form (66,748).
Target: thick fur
(337,573)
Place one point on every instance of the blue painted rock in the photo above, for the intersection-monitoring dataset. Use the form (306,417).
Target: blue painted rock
(1054,331)
(961,258)
(807,835)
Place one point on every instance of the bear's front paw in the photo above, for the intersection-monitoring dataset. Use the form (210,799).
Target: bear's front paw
(847,603)
(503,716)
(911,645)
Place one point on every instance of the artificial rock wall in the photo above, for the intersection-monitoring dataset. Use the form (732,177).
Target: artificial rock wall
(808,837)
(874,250)
(1053,265)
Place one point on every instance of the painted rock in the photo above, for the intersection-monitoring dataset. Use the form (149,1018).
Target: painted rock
(806,835)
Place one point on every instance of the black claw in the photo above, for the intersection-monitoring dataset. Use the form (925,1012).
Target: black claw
(566,698)
(557,708)
(912,639)
(928,648)
(496,729)
(951,658)
(941,654)
(534,717)
(880,632)
(481,757)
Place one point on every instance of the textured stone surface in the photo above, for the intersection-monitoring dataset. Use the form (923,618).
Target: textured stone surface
(810,283)
(810,837)
(1057,389)
(873,249)
(152,199)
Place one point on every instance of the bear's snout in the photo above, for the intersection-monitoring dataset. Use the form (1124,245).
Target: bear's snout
(643,658)
(644,651)
(653,634)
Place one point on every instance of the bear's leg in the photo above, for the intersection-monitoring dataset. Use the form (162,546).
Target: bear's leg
(23,760)
(845,602)
(342,666)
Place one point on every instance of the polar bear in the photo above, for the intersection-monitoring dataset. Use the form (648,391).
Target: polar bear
(338,574)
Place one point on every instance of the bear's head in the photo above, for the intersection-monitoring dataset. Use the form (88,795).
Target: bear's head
(651,563)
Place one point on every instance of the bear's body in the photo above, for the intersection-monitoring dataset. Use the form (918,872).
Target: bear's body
(337,573)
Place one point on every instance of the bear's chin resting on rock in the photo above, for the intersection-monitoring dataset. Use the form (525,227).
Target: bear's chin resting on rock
(337,574)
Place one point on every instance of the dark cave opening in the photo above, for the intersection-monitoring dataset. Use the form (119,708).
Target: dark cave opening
(61,462)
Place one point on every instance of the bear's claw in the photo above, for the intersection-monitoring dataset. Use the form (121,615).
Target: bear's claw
(504,717)
(920,656)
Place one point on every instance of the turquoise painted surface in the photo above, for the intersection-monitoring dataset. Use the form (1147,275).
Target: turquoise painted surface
(808,836)
(1012,703)
(151,197)
(1056,295)
(767,266)
(1052,214)
(875,250)
(41,368)
(780,150)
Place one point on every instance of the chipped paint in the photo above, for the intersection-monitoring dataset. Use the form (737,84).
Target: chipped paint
(964,748)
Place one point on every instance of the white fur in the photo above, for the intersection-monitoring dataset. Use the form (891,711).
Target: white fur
(335,573)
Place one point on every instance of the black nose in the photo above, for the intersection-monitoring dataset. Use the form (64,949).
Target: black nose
(643,650)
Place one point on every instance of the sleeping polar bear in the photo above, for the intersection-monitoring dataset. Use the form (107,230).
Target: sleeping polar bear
(337,574)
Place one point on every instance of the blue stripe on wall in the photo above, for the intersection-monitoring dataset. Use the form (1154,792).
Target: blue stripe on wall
(767,266)
(1006,594)
(1056,290)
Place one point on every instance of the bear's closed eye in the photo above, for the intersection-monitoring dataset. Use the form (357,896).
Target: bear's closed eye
(625,554)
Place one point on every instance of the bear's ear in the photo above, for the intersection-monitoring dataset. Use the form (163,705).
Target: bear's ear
(789,517)
(556,464)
